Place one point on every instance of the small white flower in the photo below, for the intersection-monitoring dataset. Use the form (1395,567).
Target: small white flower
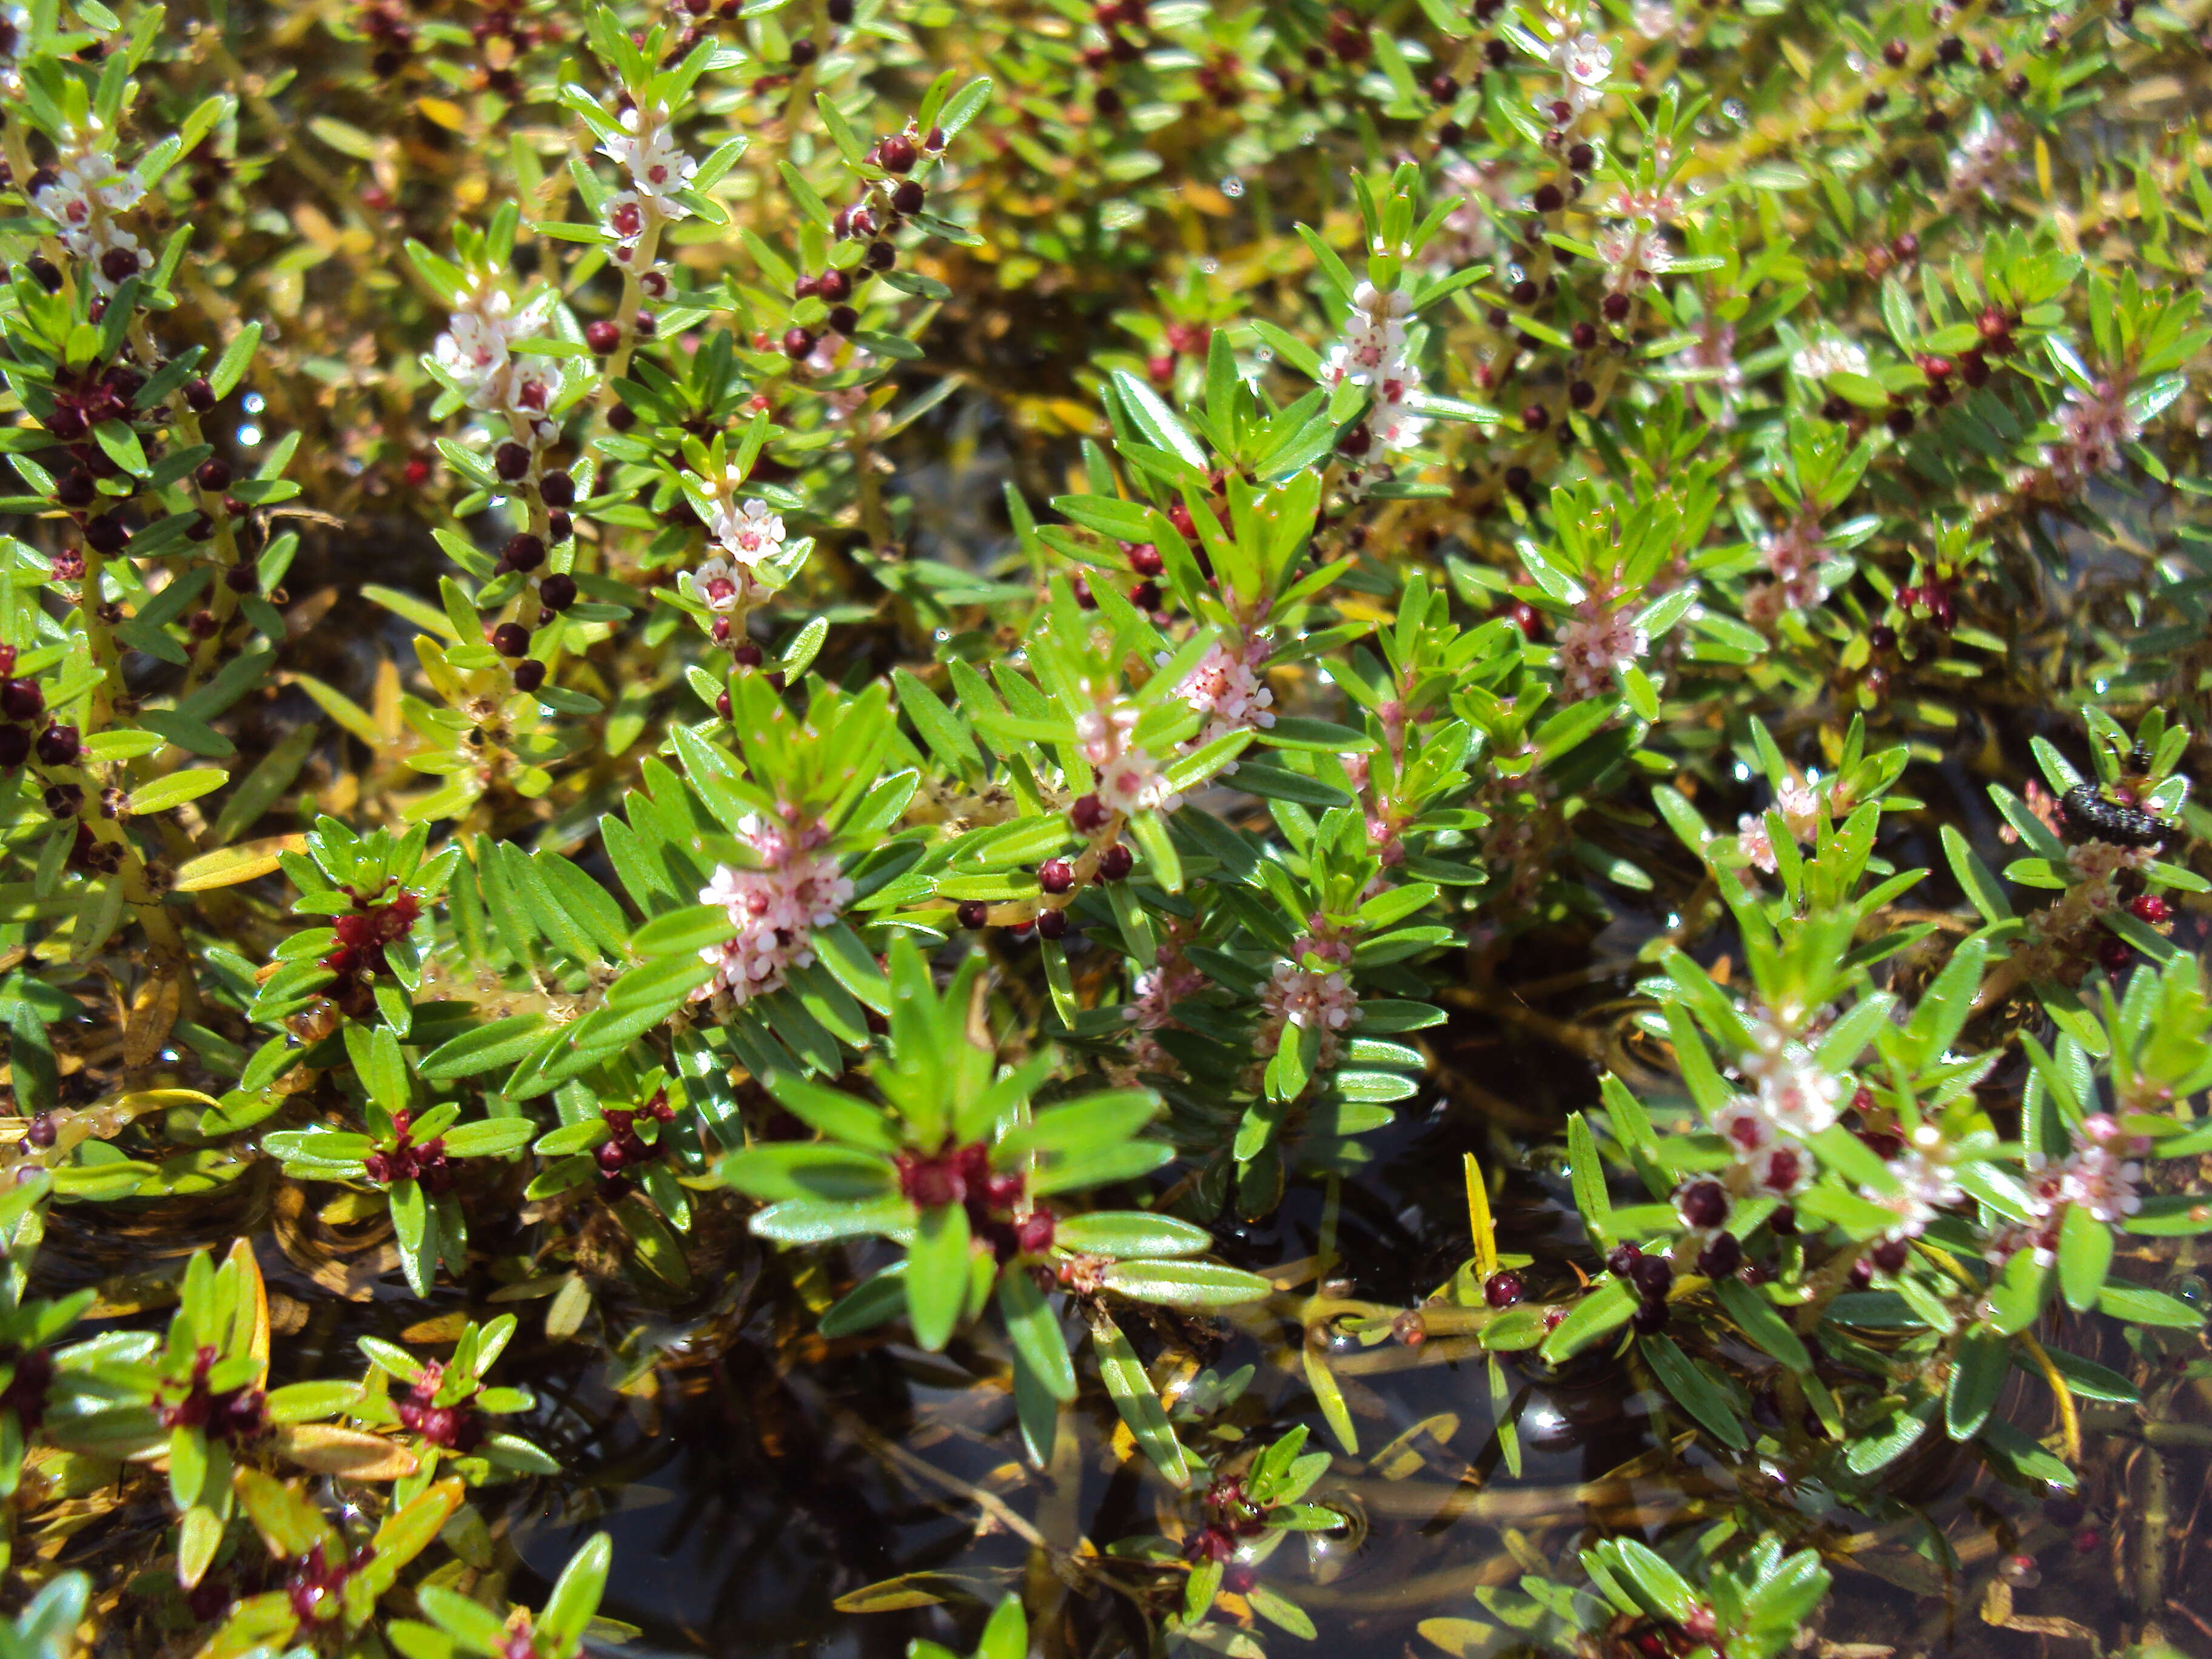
(751,534)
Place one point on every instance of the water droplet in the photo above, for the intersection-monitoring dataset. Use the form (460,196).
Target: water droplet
(249,435)
(253,402)
(1264,354)
(1854,62)
(1232,186)
(1734,110)
(1209,266)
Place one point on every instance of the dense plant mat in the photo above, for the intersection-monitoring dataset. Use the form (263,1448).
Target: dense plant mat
(936,828)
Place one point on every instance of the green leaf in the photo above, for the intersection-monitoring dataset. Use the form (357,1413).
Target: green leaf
(1607,1308)
(1978,1376)
(2085,1256)
(937,1274)
(1587,1174)
(1035,1330)
(1137,1401)
(1762,1324)
(1186,1283)
(1695,1392)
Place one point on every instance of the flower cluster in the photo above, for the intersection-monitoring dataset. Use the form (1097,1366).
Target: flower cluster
(1320,998)
(1793,556)
(81,194)
(1596,644)
(1800,808)
(2094,422)
(1226,687)
(477,351)
(775,907)
(2100,1174)
(1372,353)
(1130,779)
(746,536)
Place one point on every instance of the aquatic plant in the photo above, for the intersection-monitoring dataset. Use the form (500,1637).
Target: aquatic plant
(1118,731)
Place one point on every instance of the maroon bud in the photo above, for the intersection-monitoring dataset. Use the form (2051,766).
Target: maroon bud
(1615,307)
(839,12)
(1703,1204)
(643,326)
(510,460)
(23,700)
(1055,875)
(1116,862)
(105,535)
(1890,1255)
(907,199)
(1653,1275)
(2151,909)
(119,264)
(1895,53)
(559,526)
(58,745)
(722,704)
(1620,1261)
(557,591)
(557,489)
(1905,246)
(1145,596)
(1496,52)
(42,1131)
(1720,1257)
(1145,559)
(48,276)
(603,336)
(1052,924)
(1535,417)
(1583,335)
(2113,955)
(7,659)
(1581,158)
(881,256)
(974,914)
(1649,1318)
(523,551)
(1548,198)
(1899,422)
(1088,815)
(212,473)
(241,578)
(797,342)
(1973,368)
(1523,292)
(803,52)
(15,747)
(1581,393)
(1502,1290)
(67,423)
(842,319)
(1783,1223)
(622,417)
(1950,49)
(511,640)
(529,674)
(933,140)
(895,155)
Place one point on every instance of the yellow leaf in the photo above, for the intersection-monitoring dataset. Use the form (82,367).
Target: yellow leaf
(228,865)
(1457,1636)
(254,1304)
(358,1456)
(1479,1221)
(444,112)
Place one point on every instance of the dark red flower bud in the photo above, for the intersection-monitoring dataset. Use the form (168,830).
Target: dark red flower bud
(842,319)
(974,913)
(881,256)
(1703,1204)
(1895,53)
(1649,1318)
(559,526)
(23,700)
(510,460)
(1088,814)
(1890,1255)
(1502,1290)
(119,264)
(2151,909)
(797,342)
(557,489)
(1620,1261)
(58,745)
(603,336)
(895,155)
(1720,1257)
(42,1131)
(241,578)
(48,276)
(67,423)
(557,591)
(1615,307)
(907,199)
(1055,875)
(803,52)
(15,747)
(1052,924)
(1653,1276)
(105,535)
(1535,417)
(529,674)
(511,640)
(1548,198)
(523,551)
(1116,862)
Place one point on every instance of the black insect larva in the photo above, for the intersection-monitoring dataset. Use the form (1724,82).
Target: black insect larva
(2087,810)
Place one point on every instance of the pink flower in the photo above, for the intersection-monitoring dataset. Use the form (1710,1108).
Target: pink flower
(1320,999)
(1226,688)
(1594,645)
(774,909)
